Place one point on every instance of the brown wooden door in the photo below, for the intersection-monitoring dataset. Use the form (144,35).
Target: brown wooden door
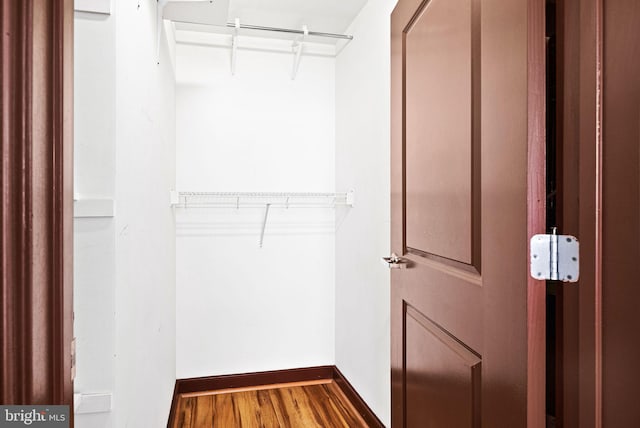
(467,326)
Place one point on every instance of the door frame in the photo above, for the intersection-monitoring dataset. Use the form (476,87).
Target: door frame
(536,204)
(37,202)
(582,201)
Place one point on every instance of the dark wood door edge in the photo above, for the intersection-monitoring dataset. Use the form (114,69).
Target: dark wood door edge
(245,380)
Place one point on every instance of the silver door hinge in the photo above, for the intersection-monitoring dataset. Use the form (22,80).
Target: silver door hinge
(555,257)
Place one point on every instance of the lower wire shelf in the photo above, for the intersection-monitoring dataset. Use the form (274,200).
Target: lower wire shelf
(264,200)
(243,199)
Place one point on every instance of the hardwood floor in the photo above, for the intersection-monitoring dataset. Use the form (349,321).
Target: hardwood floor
(300,405)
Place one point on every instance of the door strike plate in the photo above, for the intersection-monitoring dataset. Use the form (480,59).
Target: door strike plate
(555,257)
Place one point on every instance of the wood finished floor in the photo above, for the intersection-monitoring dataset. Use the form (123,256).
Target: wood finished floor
(295,406)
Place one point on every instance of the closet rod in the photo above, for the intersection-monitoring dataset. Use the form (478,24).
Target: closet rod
(274,29)
(292,31)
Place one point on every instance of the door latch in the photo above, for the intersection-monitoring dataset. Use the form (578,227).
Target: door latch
(555,257)
(73,359)
(395,262)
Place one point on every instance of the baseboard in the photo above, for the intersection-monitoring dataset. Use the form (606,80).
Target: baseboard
(246,380)
(347,389)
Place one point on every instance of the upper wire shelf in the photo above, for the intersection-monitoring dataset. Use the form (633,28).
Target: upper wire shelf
(260,199)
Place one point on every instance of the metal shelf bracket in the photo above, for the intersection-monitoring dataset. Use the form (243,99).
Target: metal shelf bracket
(159,20)
(297,48)
(234,46)
(264,223)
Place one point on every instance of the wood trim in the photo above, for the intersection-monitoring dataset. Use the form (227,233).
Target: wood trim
(589,171)
(259,380)
(62,200)
(569,200)
(16,190)
(599,205)
(536,201)
(362,408)
(244,380)
(582,201)
(617,214)
(36,182)
(560,195)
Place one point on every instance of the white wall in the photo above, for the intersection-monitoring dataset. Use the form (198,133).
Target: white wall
(362,238)
(124,266)
(241,308)
(94,238)
(144,222)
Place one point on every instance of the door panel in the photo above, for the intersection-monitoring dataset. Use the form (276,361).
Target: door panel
(443,382)
(467,132)
(438,99)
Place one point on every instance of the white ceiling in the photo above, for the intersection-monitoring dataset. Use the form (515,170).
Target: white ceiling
(328,16)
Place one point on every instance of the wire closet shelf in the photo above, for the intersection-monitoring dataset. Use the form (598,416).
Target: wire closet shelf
(260,199)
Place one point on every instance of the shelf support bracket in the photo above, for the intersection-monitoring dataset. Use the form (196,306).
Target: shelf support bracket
(175,197)
(159,19)
(264,224)
(298,47)
(351,198)
(234,46)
